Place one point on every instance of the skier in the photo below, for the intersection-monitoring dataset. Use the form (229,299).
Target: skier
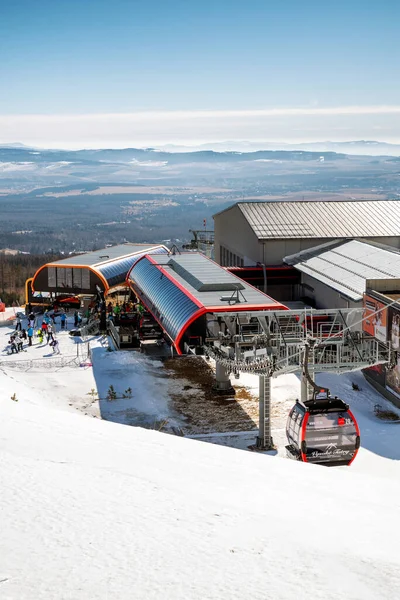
(50,329)
(44,328)
(18,325)
(30,334)
(63,320)
(39,334)
(76,318)
(56,347)
(18,341)
(13,345)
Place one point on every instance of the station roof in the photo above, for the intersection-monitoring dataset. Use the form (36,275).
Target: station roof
(99,257)
(180,289)
(208,283)
(109,265)
(286,219)
(345,266)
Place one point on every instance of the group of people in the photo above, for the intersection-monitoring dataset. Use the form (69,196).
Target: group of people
(46,331)
(117,311)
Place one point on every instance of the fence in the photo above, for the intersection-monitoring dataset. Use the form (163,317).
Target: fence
(52,363)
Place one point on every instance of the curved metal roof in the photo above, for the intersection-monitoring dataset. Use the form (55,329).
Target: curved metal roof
(111,265)
(179,289)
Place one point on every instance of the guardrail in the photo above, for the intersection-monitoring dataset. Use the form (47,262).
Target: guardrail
(51,363)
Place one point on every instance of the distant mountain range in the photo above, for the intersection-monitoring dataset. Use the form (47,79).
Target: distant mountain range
(151,157)
(357,147)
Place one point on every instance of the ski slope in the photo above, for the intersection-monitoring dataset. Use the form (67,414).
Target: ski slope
(91,509)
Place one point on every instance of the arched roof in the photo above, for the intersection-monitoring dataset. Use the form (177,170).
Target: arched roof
(180,289)
(107,267)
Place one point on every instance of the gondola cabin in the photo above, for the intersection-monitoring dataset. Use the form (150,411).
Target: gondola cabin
(322,431)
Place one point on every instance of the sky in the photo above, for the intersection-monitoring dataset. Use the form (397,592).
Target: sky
(191,71)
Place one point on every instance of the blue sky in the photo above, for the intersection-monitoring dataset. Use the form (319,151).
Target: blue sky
(80,57)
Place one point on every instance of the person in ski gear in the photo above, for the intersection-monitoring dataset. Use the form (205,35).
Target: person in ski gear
(18,341)
(18,325)
(63,320)
(44,328)
(56,347)
(76,318)
(23,335)
(50,336)
(13,345)
(30,335)
(39,334)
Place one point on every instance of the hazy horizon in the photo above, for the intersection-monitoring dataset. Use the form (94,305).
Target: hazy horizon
(294,125)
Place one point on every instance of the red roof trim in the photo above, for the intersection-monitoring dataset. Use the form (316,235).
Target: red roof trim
(193,318)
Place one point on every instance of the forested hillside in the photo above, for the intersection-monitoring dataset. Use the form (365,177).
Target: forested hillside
(15,270)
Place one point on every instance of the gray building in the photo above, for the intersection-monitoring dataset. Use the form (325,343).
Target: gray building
(247,233)
(335,275)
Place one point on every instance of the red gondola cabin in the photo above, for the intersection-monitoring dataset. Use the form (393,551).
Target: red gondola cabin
(322,431)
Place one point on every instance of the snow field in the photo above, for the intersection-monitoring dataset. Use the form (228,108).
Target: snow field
(91,509)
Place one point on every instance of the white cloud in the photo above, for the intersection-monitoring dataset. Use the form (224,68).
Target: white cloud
(192,127)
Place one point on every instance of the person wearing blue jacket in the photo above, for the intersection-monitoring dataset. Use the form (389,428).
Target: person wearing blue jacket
(30,335)
(63,320)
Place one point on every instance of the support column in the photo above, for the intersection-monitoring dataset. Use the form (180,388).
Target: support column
(222,383)
(264,439)
(307,390)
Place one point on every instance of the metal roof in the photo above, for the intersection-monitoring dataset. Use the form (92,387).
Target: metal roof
(111,265)
(345,266)
(98,257)
(207,282)
(181,289)
(318,219)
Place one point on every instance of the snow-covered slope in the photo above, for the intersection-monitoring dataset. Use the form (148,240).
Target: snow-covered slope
(96,510)
(93,510)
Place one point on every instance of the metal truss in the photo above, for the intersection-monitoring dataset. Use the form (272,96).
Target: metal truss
(271,342)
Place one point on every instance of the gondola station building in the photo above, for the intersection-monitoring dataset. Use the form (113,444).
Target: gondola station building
(324,255)
(248,233)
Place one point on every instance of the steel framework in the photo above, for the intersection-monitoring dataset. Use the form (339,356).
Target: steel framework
(270,343)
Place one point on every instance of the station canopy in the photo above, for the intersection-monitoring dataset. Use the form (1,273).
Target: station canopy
(180,290)
(81,273)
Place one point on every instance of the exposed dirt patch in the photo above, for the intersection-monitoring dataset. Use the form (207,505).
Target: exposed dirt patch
(387,415)
(191,380)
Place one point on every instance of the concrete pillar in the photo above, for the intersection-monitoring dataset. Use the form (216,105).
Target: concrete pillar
(222,383)
(264,439)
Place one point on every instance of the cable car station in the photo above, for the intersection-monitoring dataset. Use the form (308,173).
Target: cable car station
(201,308)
